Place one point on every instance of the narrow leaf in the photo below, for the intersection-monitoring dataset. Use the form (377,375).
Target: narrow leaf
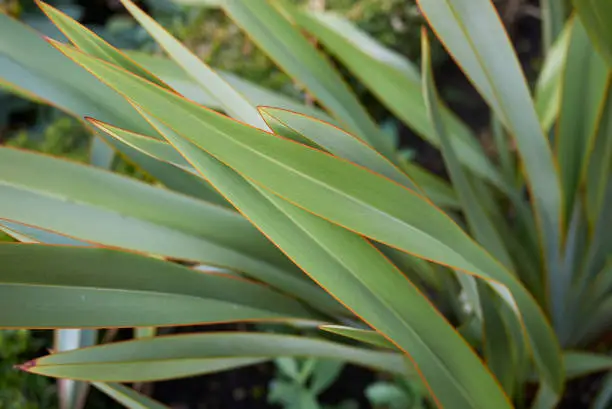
(396,82)
(339,191)
(93,287)
(295,55)
(474,35)
(128,397)
(170,357)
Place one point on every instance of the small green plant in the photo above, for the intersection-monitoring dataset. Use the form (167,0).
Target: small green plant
(310,216)
(301,381)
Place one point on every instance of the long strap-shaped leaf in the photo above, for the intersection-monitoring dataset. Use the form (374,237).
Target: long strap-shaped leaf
(233,103)
(32,67)
(396,83)
(473,33)
(497,340)
(173,75)
(187,355)
(351,281)
(294,54)
(80,201)
(71,287)
(340,192)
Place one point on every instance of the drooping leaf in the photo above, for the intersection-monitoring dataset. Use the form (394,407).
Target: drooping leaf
(339,191)
(83,203)
(351,281)
(92,287)
(168,357)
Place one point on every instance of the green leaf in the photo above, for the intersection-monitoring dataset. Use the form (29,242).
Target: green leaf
(29,234)
(283,42)
(586,79)
(92,287)
(168,357)
(579,364)
(31,65)
(480,225)
(85,40)
(339,191)
(595,15)
(548,86)
(361,335)
(336,141)
(474,35)
(232,102)
(325,374)
(396,82)
(342,262)
(82,202)
(172,74)
(128,397)
(436,188)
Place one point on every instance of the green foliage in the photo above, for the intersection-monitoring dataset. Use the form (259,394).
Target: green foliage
(17,389)
(481,285)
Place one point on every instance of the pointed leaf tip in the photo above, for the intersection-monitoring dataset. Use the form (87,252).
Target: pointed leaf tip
(26,366)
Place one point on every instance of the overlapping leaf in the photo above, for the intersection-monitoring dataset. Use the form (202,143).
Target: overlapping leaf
(473,34)
(337,190)
(31,65)
(92,287)
(396,82)
(294,54)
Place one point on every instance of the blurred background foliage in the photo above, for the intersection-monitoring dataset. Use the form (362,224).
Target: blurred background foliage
(215,39)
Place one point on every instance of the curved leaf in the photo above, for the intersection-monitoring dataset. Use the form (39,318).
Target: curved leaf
(474,35)
(396,82)
(294,54)
(93,287)
(169,357)
(341,192)
(29,63)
